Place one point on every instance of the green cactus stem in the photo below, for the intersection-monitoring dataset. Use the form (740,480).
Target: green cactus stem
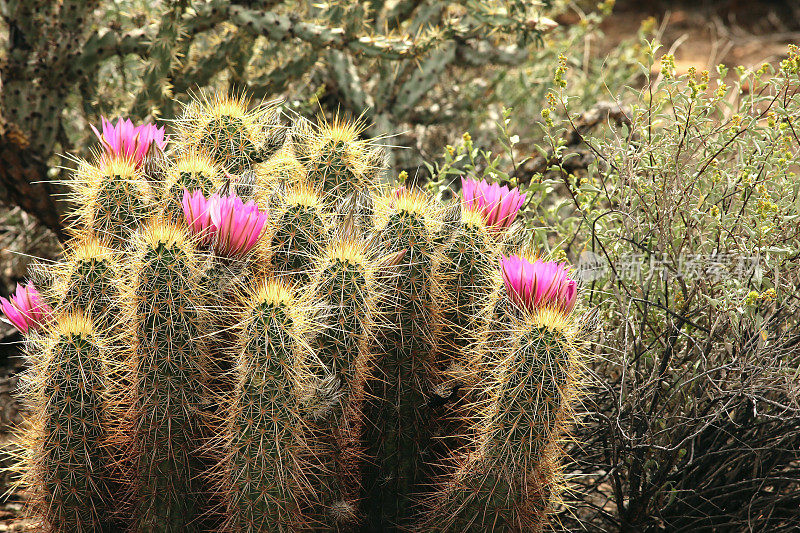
(170,369)
(113,199)
(265,448)
(68,464)
(513,481)
(297,232)
(344,285)
(399,436)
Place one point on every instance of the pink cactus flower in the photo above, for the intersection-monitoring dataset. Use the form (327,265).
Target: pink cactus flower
(396,194)
(499,205)
(26,309)
(541,284)
(197,214)
(129,141)
(237,225)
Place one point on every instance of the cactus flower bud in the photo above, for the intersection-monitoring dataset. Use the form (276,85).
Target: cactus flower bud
(237,225)
(129,141)
(26,310)
(541,284)
(498,205)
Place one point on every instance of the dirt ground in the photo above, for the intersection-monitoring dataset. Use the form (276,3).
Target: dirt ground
(705,33)
(700,33)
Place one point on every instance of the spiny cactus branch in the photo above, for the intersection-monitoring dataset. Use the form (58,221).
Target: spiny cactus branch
(155,83)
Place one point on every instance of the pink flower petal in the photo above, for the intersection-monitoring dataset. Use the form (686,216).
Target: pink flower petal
(498,205)
(541,284)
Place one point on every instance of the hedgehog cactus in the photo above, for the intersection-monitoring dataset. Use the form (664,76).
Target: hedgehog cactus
(400,438)
(67,464)
(235,135)
(192,171)
(512,481)
(467,266)
(87,282)
(271,339)
(170,366)
(338,162)
(113,198)
(264,487)
(344,286)
(298,231)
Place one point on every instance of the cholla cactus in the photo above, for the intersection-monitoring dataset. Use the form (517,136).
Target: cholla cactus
(277,341)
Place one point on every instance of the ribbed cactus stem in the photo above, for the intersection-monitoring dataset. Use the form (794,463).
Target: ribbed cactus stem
(265,449)
(281,169)
(170,369)
(337,161)
(68,464)
(220,280)
(192,171)
(298,231)
(466,274)
(113,198)
(401,432)
(344,286)
(90,284)
(226,137)
(330,169)
(268,341)
(235,135)
(467,287)
(513,480)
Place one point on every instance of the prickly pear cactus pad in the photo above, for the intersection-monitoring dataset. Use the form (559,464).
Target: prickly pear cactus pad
(255,329)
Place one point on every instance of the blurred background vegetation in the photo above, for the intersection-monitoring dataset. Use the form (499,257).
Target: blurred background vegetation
(641,162)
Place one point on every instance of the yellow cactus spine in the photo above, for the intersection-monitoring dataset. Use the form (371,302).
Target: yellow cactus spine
(281,169)
(338,162)
(88,282)
(466,284)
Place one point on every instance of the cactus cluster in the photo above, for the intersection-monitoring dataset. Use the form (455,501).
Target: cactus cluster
(252,331)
